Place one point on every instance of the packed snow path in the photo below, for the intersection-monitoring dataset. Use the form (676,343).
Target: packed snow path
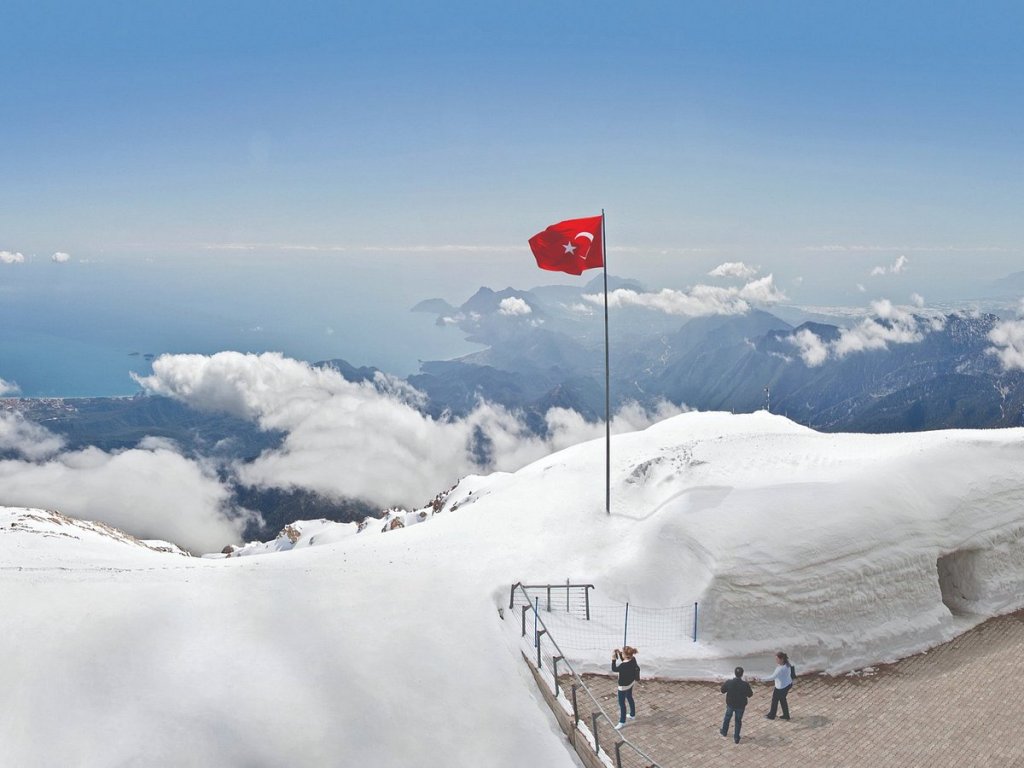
(949,707)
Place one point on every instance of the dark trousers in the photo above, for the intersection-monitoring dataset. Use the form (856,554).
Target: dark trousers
(625,696)
(779,697)
(729,712)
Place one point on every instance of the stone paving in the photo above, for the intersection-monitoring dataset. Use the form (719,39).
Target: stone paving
(961,704)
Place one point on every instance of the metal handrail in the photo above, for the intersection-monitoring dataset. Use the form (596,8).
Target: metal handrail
(548,587)
(579,680)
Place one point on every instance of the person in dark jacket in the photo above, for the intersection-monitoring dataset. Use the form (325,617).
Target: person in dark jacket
(737,691)
(629,673)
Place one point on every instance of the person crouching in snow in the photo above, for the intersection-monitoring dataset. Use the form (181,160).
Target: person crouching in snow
(629,673)
(783,678)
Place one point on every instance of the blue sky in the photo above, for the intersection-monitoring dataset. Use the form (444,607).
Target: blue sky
(813,139)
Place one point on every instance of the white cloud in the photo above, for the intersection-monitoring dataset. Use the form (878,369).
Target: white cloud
(1007,338)
(8,388)
(27,438)
(358,439)
(886,324)
(60,257)
(698,301)
(151,492)
(762,291)
(8,257)
(567,427)
(897,267)
(892,326)
(813,351)
(514,306)
(861,288)
(917,300)
(734,269)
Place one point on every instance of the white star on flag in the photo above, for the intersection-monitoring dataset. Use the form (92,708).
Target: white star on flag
(570,248)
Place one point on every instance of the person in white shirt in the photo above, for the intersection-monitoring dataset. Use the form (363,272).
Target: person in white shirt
(783,679)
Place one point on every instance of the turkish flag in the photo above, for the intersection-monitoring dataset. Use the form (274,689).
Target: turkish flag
(569,246)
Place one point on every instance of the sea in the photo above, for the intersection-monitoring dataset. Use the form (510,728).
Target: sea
(83,329)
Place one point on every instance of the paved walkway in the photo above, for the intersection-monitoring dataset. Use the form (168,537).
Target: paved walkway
(961,704)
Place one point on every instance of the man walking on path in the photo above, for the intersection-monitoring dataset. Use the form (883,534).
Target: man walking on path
(737,691)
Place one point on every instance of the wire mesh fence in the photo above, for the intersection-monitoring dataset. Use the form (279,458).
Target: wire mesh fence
(584,624)
(589,719)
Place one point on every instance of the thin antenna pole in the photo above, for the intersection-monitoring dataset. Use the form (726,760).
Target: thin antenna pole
(607,385)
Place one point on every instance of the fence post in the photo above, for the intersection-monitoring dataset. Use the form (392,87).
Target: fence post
(566,595)
(554,670)
(593,721)
(575,709)
(536,602)
(549,599)
(525,607)
(512,595)
(539,667)
(618,754)
(625,625)
(695,622)
(586,595)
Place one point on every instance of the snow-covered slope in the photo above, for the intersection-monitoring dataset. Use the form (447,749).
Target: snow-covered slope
(385,648)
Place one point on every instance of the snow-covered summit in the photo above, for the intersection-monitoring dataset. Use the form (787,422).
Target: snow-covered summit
(841,549)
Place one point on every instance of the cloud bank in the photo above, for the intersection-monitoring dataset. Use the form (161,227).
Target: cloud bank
(151,491)
(60,257)
(8,388)
(698,301)
(27,439)
(9,257)
(888,325)
(364,440)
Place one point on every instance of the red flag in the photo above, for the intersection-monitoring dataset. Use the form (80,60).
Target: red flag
(569,246)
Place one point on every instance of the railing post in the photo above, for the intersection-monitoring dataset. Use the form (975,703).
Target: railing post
(535,618)
(549,599)
(566,595)
(543,631)
(593,721)
(695,622)
(525,607)
(512,595)
(618,754)
(554,670)
(586,595)
(575,708)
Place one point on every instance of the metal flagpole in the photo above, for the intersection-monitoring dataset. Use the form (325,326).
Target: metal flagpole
(607,386)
